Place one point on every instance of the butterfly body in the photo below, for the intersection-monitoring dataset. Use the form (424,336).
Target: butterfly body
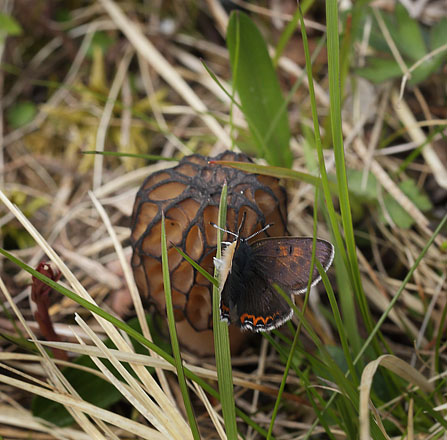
(248,272)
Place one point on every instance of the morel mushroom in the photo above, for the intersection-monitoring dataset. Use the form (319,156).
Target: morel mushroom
(189,196)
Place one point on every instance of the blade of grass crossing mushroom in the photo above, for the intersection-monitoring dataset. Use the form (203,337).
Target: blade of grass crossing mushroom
(113,320)
(222,340)
(267,170)
(129,330)
(173,333)
(198,267)
(89,305)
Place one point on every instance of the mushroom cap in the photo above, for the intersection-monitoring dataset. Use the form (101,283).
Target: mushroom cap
(189,195)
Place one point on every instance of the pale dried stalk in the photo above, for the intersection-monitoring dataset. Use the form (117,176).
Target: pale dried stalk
(107,114)
(135,394)
(55,376)
(112,332)
(418,136)
(159,63)
(136,298)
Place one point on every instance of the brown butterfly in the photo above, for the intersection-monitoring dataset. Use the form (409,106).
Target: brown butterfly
(248,270)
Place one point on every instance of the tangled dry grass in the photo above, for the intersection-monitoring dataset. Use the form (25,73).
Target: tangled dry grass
(128,77)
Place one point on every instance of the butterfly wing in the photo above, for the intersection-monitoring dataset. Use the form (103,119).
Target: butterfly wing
(287,260)
(259,307)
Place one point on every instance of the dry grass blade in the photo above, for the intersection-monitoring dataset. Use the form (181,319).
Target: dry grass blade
(112,332)
(417,135)
(87,408)
(135,395)
(128,76)
(217,422)
(54,375)
(389,185)
(244,381)
(397,366)
(107,114)
(159,63)
(136,298)
(24,420)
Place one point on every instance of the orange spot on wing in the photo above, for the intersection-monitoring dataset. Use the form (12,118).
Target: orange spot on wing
(255,319)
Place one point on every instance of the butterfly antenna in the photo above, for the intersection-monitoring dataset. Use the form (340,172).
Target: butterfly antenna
(223,230)
(239,229)
(258,232)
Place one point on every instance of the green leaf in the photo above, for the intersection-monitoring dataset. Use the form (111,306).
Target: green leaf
(257,85)
(398,214)
(409,36)
(425,69)
(437,38)
(9,25)
(20,114)
(355,184)
(380,69)
(376,39)
(438,34)
(409,39)
(412,191)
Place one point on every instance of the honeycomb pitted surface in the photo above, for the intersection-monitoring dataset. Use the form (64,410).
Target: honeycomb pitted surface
(189,195)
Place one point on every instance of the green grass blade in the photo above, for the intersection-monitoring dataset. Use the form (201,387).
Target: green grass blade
(112,319)
(346,387)
(337,138)
(267,170)
(381,320)
(332,215)
(298,330)
(338,321)
(173,333)
(379,323)
(198,267)
(129,330)
(324,177)
(285,36)
(121,154)
(222,340)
